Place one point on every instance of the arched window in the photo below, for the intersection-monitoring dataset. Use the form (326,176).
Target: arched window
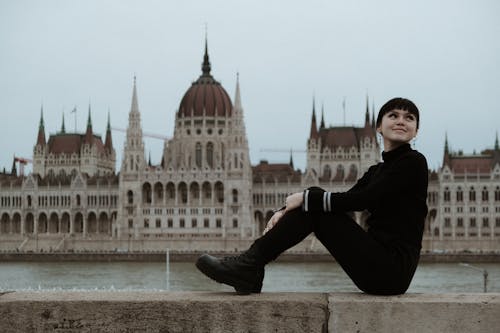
(446,194)
(171,191)
(158,190)
(219,192)
(497,194)
(235,196)
(183,192)
(460,194)
(484,194)
(146,193)
(198,155)
(222,156)
(472,194)
(194,191)
(340,175)
(207,193)
(327,172)
(210,154)
(130,197)
(78,200)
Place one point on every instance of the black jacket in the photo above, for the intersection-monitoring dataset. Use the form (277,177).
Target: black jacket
(394,192)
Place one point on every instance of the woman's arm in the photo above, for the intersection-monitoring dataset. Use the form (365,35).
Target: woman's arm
(400,178)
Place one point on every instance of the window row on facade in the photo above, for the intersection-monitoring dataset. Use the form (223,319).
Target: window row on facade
(182,193)
(269,199)
(471,209)
(183,223)
(55,223)
(473,222)
(59,201)
(461,195)
(340,173)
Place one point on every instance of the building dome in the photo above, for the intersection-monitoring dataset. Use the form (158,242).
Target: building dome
(206,96)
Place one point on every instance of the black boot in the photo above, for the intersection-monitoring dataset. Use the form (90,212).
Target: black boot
(243,272)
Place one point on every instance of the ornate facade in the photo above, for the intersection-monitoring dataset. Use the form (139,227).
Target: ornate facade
(201,190)
(464,202)
(205,195)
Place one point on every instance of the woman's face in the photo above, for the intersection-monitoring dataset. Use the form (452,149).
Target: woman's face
(397,127)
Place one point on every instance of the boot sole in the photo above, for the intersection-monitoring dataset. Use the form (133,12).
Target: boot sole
(241,287)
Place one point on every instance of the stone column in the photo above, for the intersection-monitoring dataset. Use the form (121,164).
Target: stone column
(71,226)
(84,231)
(35,224)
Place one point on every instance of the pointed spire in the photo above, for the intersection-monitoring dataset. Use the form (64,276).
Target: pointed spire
(108,142)
(89,134)
(135,105)
(41,130)
(63,128)
(314,129)
(497,147)
(237,96)
(322,124)
(367,114)
(14,169)
(205,67)
(446,151)
(89,119)
(291,159)
(446,157)
(149,159)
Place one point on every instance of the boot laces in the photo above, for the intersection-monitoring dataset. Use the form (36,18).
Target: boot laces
(240,257)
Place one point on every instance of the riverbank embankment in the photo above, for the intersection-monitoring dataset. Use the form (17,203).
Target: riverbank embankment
(191,256)
(99,311)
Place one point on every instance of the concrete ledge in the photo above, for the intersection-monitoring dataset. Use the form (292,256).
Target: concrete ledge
(65,311)
(415,313)
(162,312)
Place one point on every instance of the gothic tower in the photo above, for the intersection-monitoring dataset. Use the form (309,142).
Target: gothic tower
(129,212)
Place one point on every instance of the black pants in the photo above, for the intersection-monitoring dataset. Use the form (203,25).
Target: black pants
(373,267)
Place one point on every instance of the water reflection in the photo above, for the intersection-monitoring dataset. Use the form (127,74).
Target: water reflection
(303,277)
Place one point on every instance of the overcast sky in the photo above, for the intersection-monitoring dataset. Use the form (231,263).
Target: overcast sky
(444,55)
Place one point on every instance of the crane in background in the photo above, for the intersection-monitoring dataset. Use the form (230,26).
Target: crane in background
(22,162)
(146,134)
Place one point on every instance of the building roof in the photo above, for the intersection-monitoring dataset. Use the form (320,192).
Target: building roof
(345,137)
(471,164)
(206,96)
(71,143)
(280,172)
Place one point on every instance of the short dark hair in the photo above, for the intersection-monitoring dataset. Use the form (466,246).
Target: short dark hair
(398,103)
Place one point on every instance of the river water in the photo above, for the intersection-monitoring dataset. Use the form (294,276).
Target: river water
(301,277)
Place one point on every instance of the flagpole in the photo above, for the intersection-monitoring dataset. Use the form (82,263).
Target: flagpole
(343,107)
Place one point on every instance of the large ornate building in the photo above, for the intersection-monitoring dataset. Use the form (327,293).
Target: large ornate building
(464,202)
(205,195)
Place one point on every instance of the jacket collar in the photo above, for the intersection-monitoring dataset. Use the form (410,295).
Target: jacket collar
(395,153)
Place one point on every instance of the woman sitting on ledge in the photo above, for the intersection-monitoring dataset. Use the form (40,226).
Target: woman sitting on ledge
(381,260)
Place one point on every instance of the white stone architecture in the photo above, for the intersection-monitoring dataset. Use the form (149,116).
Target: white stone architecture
(205,195)
(464,202)
(201,191)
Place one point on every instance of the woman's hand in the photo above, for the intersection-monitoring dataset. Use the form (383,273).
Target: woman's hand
(273,220)
(292,201)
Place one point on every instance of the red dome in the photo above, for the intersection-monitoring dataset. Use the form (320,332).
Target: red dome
(206,96)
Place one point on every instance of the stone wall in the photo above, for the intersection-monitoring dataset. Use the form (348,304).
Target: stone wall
(162,311)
